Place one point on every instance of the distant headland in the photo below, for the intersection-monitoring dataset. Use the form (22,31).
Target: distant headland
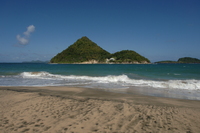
(181,60)
(84,51)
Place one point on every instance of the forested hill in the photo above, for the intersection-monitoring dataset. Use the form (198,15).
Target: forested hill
(129,56)
(87,52)
(83,50)
(188,60)
(182,60)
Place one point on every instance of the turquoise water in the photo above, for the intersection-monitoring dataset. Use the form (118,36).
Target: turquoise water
(180,79)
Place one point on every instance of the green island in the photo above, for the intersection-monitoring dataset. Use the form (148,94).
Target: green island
(182,60)
(166,62)
(84,51)
(128,57)
(188,60)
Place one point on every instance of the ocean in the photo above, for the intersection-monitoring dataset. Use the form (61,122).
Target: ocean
(163,80)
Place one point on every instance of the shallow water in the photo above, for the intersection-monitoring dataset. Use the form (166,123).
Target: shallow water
(165,80)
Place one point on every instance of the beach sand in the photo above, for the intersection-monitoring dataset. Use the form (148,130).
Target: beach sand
(81,110)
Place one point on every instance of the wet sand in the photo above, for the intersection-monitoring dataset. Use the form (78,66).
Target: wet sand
(81,110)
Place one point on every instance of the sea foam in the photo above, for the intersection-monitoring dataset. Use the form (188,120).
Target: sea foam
(120,80)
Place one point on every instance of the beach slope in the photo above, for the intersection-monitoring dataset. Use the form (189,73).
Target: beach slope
(78,110)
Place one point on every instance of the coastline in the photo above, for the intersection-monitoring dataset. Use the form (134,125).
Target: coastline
(67,109)
(100,63)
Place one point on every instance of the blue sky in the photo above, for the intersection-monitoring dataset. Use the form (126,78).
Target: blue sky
(156,29)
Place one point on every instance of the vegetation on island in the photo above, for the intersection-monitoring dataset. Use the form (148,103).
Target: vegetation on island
(182,60)
(128,56)
(82,50)
(188,60)
(166,62)
(86,51)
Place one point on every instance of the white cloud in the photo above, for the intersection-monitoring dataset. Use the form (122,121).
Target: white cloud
(22,40)
(30,29)
(25,39)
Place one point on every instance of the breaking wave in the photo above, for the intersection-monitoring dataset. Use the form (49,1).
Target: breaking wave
(119,80)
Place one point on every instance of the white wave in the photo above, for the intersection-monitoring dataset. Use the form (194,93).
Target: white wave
(121,80)
(46,75)
(36,74)
(171,84)
(185,84)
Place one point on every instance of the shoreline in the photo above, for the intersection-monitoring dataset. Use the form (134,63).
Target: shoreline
(67,109)
(181,94)
(100,63)
(111,94)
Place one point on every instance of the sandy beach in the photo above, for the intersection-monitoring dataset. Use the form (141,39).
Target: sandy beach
(81,110)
